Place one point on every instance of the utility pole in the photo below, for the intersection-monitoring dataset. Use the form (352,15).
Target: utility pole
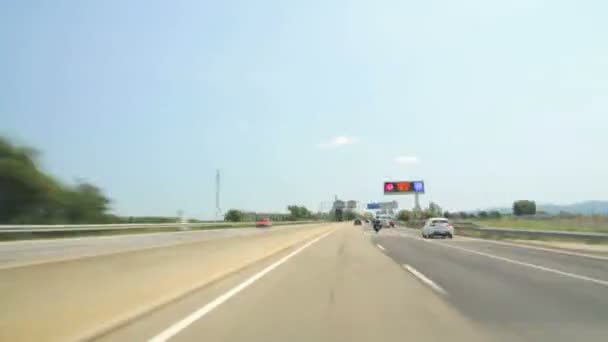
(218,211)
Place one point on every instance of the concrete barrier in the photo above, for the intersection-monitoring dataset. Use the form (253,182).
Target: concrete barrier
(76,299)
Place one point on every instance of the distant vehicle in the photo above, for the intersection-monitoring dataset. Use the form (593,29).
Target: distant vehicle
(357,222)
(437,226)
(377,224)
(386,221)
(264,222)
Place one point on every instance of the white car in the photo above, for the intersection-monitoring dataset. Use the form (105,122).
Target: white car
(386,221)
(437,226)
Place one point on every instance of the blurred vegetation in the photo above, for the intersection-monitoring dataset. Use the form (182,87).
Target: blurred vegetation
(148,219)
(29,195)
(405,215)
(524,207)
(349,215)
(525,216)
(299,213)
(339,215)
(433,210)
(296,213)
(233,215)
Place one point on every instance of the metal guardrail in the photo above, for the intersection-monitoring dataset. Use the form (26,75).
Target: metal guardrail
(530,233)
(465,228)
(95,227)
(102,227)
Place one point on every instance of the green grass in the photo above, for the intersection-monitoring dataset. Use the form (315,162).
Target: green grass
(596,224)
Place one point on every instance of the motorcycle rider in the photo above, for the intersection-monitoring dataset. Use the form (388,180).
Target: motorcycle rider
(377,225)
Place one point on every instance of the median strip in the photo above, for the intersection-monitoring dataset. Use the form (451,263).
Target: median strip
(77,299)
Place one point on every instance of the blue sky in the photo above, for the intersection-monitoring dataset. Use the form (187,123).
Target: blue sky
(295,101)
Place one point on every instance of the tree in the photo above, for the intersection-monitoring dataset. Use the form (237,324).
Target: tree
(426,214)
(524,207)
(299,212)
(24,188)
(447,214)
(85,203)
(322,216)
(337,214)
(404,215)
(349,215)
(368,215)
(233,215)
(29,195)
(495,214)
(463,214)
(483,214)
(434,209)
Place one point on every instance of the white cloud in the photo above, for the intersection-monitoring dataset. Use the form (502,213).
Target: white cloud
(406,160)
(338,141)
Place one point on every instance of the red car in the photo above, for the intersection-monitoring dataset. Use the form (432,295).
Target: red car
(264,222)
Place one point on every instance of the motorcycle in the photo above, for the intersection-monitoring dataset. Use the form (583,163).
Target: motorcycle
(377,225)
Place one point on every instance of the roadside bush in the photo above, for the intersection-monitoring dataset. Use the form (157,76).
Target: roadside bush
(524,207)
(404,215)
(495,214)
(233,215)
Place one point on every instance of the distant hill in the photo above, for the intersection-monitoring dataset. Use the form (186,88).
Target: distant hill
(580,208)
(502,210)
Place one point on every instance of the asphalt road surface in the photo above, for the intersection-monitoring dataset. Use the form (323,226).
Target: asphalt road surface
(337,288)
(20,253)
(531,294)
(355,285)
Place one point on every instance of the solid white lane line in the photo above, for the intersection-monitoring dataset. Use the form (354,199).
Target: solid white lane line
(539,248)
(424,279)
(521,263)
(196,315)
(380,246)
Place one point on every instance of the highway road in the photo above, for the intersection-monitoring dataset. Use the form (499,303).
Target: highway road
(355,285)
(339,288)
(28,252)
(346,283)
(529,293)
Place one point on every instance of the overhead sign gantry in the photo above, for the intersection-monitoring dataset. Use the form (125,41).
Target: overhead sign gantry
(405,187)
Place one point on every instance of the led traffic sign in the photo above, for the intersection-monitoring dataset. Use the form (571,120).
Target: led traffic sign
(403,187)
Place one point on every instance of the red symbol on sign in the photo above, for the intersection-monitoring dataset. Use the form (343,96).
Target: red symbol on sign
(388,187)
(403,186)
